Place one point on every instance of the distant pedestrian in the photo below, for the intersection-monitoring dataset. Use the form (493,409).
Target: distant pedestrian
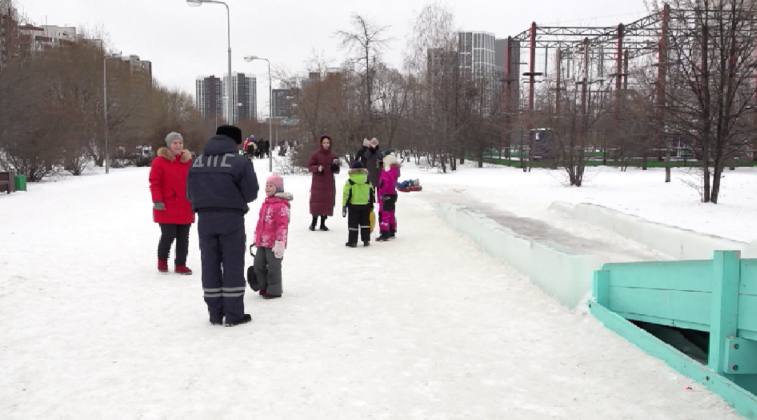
(357,204)
(323,164)
(249,146)
(221,183)
(171,209)
(271,234)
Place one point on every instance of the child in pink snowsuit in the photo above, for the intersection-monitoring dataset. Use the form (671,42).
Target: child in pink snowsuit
(271,238)
(387,192)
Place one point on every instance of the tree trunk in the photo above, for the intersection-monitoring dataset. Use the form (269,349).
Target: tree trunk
(706,191)
(718,171)
(667,164)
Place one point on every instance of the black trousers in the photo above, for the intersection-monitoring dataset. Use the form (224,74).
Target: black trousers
(358,221)
(222,247)
(168,233)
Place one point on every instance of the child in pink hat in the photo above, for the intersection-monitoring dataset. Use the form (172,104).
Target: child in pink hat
(271,238)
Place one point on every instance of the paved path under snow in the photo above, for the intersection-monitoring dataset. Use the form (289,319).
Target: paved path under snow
(426,326)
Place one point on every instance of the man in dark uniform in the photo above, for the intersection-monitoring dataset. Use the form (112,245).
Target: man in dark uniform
(220,184)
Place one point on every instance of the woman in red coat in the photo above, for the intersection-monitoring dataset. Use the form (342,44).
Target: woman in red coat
(171,208)
(323,164)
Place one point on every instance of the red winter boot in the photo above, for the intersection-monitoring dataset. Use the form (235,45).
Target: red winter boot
(162,265)
(183,269)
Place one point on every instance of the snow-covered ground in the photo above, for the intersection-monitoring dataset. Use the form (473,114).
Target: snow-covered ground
(426,326)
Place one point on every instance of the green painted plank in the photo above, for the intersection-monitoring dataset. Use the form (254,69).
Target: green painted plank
(678,275)
(749,277)
(747,314)
(742,400)
(748,382)
(666,321)
(751,335)
(724,312)
(740,356)
(601,286)
(684,306)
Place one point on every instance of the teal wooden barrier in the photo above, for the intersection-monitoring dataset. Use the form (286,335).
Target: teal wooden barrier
(718,296)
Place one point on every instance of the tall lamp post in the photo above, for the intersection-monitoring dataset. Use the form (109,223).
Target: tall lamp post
(105,104)
(251,58)
(229,102)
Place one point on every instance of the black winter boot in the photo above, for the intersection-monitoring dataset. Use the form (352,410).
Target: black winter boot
(245,319)
(312,224)
(323,223)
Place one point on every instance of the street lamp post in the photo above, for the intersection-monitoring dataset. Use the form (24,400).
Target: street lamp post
(105,110)
(229,102)
(251,58)
(105,105)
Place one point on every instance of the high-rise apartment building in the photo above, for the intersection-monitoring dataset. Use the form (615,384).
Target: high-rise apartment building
(139,70)
(282,103)
(8,24)
(244,98)
(209,97)
(46,36)
(477,55)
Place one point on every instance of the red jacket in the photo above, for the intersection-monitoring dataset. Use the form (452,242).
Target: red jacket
(168,184)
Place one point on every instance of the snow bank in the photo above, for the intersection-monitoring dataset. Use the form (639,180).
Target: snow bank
(678,243)
(564,275)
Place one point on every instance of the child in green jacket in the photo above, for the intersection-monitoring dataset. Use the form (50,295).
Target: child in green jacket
(357,200)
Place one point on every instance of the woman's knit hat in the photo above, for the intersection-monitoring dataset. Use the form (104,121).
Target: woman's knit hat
(173,135)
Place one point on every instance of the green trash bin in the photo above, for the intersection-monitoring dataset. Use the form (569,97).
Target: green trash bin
(20,182)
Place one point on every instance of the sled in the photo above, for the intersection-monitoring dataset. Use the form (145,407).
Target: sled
(411,188)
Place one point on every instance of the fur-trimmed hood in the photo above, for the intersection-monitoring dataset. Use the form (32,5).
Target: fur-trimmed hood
(186,155)
(284,196)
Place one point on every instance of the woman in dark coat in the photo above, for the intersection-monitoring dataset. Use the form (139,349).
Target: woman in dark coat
(370,157)
(323,164)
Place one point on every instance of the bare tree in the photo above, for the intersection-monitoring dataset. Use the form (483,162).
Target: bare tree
(392,93)
(366,39)
(439,108)
(711,92)
(575,128)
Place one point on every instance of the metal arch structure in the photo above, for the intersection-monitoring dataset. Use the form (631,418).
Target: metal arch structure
(593,47)
(600,62)
(599,49)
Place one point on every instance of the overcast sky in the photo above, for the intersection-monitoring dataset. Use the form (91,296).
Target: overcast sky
(184,42)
